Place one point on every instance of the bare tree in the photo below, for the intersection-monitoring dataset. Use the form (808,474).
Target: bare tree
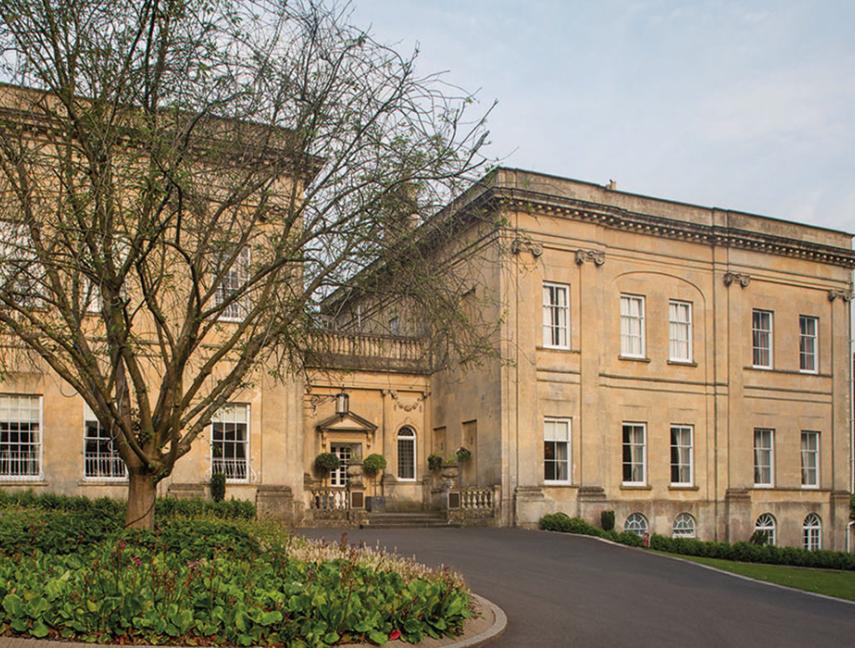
(183,182)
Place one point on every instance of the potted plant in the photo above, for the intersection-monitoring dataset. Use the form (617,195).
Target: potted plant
(463,454)
(434,462)
(326,462)
(373,465)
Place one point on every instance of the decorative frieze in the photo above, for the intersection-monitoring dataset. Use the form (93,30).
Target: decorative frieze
(597,257)
(519,245)
(406,405)
(623,219)
(835,293)
(742,279)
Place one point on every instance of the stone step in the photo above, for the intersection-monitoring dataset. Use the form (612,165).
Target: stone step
(400,520)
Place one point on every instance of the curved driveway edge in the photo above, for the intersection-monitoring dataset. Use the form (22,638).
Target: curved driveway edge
(497,627)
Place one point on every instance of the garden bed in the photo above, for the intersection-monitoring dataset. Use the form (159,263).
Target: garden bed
(76,575)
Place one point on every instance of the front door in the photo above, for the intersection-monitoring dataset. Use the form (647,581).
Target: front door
(345,452)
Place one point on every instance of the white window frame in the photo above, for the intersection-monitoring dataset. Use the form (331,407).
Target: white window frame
(640,318)
(691,446)
(338,477)
(816,457)
(552,314)
(623,445)
(237,310)
(769,527)
(682,525)
(672,323)
(41,474)
(412,439)
(248,409)
(812,532)
(771,451)
(814,355)
(89,416)
(569,444)
(771,337)
(637,523)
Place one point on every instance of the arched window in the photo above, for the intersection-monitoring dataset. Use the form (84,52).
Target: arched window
(766,524)
(812,532)
(406,454)
(636,523)
(684,526)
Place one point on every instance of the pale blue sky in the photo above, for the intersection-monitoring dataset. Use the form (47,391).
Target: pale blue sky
(745,105)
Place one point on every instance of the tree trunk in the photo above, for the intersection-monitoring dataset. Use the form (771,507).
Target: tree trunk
(141,495)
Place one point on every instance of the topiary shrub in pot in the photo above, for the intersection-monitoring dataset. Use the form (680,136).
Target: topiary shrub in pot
(463,454)
(326,462)
(218,487)
(373,464)
(607,520)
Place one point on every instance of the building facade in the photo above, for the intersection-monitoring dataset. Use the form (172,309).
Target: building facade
(685,367)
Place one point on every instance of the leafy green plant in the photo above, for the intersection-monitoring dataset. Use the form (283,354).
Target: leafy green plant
(218,582)
(434,462)
(463,454)
(218,487)
(374,464)
(607,520)
(326,462)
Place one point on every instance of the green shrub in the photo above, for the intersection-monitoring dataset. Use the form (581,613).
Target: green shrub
(171,587)
(326,462)
(115,508)
(373,464)
(739,551)
(463,454)
(753,552)
(218,487)
(434,462)
(607,520)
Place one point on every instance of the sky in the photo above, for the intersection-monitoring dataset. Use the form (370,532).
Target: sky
(738,105)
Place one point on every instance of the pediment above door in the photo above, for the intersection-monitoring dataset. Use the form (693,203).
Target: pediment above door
(346,424)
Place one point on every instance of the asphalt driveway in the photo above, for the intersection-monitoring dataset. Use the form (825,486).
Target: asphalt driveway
(562,590)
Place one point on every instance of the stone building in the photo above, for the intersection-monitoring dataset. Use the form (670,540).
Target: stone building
(686,367)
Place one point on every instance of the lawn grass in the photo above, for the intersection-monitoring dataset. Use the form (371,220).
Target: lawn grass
(830,582)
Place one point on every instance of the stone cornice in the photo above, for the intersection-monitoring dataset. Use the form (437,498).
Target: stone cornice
(618,218)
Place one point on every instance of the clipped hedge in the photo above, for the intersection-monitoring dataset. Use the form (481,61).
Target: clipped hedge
(748,552)
(739,551)
(563,523)
(221,582)
(115,508)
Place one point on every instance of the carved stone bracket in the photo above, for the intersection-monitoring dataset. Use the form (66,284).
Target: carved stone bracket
(522,245)
(598,257)
(742,279)
(845,295)
(407,406)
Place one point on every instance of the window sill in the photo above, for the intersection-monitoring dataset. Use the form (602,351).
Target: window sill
(683,363)
(634,358)
(787,371)
(23,481)
(541,347)
(683,487)
(103,481)
(558,484)
(642,487)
